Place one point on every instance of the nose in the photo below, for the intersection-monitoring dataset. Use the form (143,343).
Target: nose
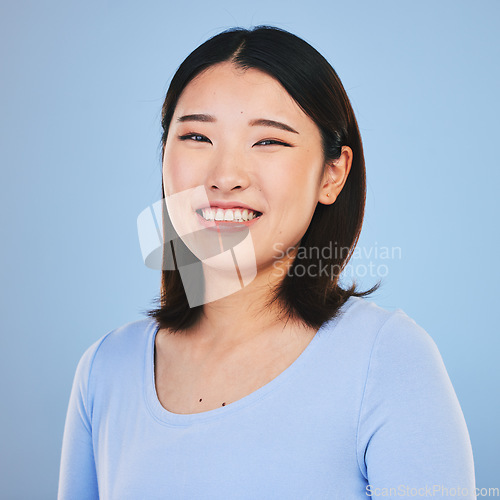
(228,173)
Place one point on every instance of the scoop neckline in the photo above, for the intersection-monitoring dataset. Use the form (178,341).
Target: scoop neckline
(164,416)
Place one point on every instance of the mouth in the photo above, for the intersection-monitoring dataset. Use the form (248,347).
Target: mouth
(228,215)
(227,219)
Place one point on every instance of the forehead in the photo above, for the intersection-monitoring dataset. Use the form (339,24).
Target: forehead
(225,88)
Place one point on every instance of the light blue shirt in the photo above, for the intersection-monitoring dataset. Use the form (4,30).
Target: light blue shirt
(368,405)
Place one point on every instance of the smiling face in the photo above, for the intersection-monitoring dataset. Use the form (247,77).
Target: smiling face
(239,135)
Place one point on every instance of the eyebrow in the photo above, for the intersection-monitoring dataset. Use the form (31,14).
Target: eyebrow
(196,118)
(260,122)
(272,123)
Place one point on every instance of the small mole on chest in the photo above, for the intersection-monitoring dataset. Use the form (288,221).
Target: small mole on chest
(223,404)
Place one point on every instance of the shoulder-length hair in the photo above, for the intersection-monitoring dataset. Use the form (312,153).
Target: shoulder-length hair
(312,297)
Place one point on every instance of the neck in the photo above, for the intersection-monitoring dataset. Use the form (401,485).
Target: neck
(243,315)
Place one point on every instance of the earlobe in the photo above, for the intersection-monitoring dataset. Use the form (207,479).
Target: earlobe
(328,192)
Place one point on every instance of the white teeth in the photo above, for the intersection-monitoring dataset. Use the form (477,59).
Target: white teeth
(229,215)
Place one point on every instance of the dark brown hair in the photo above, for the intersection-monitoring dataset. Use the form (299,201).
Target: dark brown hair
(311,81)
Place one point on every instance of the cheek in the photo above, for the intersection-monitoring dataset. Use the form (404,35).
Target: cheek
(178,171)
(298,179)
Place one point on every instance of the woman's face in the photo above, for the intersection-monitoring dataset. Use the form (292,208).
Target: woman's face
(239,137)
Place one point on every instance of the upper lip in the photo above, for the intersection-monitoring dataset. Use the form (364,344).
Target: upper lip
(227,204)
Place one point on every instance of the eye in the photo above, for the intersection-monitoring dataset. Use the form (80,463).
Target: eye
(194,137)
(272,142)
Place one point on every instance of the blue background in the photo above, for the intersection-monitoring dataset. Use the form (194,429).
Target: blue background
(82,84)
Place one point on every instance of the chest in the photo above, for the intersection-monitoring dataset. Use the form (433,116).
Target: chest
(186,385)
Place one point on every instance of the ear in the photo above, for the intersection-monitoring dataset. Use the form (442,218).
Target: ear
(335,176)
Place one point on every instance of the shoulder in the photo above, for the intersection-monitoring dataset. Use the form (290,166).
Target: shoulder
(381,334)
(400,338)
(369,316)
(401,359)
(118,346)
(395,324)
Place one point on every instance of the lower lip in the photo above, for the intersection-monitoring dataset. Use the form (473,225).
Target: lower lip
(226,226)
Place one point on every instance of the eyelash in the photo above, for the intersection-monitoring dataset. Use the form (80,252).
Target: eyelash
(271,142)
(274,141)
(186,137)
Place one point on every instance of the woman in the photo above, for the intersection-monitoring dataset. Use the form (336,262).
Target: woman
(259,376)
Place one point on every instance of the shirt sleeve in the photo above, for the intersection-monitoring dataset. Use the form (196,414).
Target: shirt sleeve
(412,436)
(77,476)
